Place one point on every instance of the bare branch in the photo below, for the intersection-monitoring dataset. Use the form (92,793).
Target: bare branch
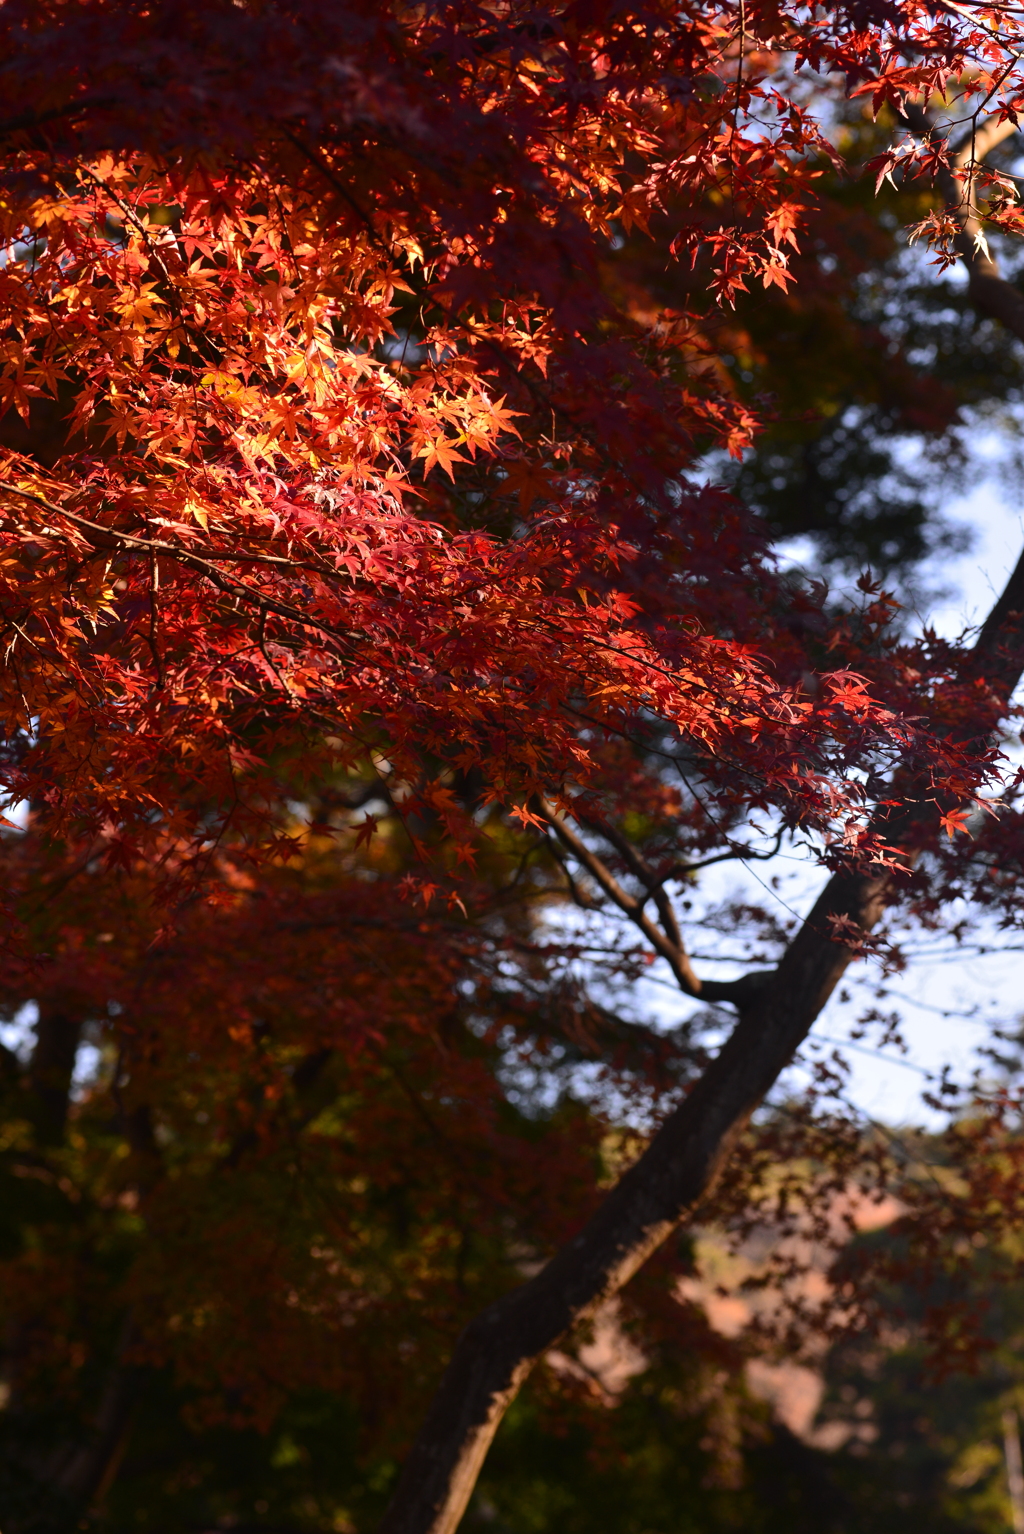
(672,952)
(983,140)
(578,897)
(736,854)
(739,992)
(639,866)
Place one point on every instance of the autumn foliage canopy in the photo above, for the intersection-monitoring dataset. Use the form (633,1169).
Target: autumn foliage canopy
(360,526)
(346,447)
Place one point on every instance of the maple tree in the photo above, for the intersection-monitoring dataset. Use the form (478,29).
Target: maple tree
(362,595)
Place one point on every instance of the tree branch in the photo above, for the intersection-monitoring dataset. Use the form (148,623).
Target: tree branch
(654,886)
(668,943)
(989,290)
(602,875)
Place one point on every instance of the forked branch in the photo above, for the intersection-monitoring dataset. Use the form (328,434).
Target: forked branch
(666,940)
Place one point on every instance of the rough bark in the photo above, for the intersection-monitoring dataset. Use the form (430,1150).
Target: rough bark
(679,1169)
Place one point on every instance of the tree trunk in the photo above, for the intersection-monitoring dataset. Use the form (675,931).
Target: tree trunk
(680,1167)
(50,1070)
